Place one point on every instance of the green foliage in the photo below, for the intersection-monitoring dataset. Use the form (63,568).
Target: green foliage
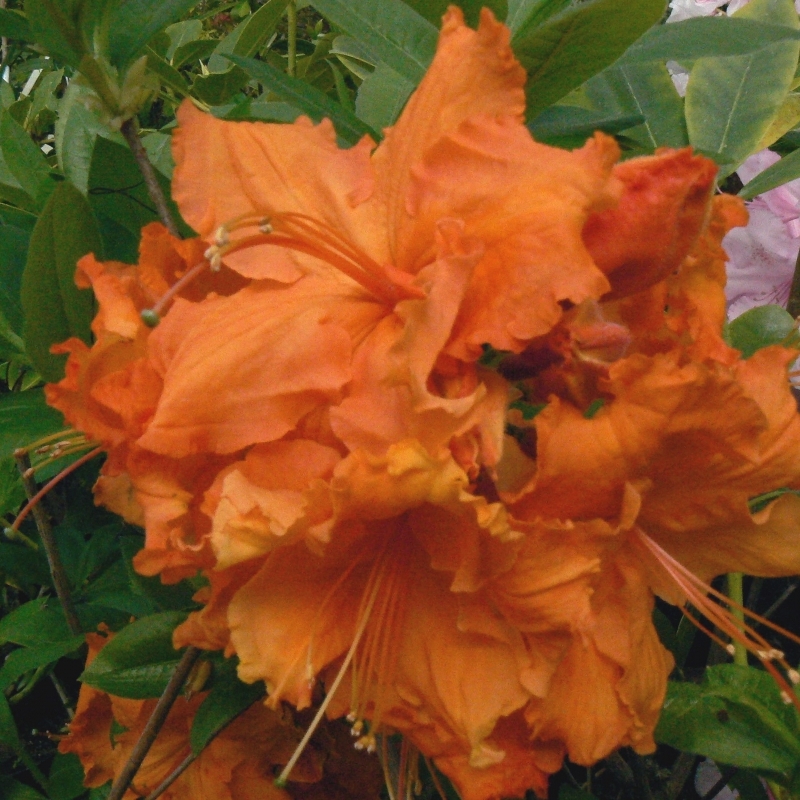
(139,660)
(759,327)
(732,100)
(783,171)
(433,10)
(54,307)
(228,698)
(735,716)
(703,37)
(309,100)
(398,35)
(579,42)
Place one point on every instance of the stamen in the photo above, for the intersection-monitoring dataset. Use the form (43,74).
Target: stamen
(697,593)
(282,779)
(152,316)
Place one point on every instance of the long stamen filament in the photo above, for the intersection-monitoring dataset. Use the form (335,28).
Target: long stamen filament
(282,779)
(697,592)
(152,316)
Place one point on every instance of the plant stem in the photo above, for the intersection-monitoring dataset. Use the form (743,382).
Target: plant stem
(291,13)
(131,134)
(154,724)
(57,570)
(736,593)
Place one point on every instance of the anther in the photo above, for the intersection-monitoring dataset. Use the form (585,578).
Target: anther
(794,676)
(786,699)
(221,237)
(731,650)
(351,717)
(265,226)
(28,473)
(357,728)
(150,317)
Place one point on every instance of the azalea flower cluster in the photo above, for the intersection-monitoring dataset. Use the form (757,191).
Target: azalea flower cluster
(437,419)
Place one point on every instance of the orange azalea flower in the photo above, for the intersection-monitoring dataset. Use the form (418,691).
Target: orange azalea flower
(378,275)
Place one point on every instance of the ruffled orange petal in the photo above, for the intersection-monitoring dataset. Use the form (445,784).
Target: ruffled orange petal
(525,203)
(228,169)
(662,211)
(473,74)
(248,369)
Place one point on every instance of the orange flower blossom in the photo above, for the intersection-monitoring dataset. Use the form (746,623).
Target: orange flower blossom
(342,473)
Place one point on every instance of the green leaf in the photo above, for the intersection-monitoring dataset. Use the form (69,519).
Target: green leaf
(783,171)
(35,623)
(228,698)
(14,26)
(135,22)
(14,790)
(12,493)
(13,254)
(433,10)
(737,717)
(53,25)
(25,160)
(120,201)
(76,131)
(731,100)
(54,307)
(182,33)
(139,661)
(381,97)
(164,597)
(527,15)
(166,73)
(18,662)
(307,98)
(647,90)
(399,36)
(218,87)
(9,736)
(65,781)
(24,418)
(574,123)
(702,37)
(579,42)
(193,51)
(759,327)
(249,35)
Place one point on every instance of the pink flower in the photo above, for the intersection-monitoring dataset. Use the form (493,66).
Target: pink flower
(763,254)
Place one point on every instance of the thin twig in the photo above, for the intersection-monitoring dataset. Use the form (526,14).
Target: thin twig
(682,769)
(639,768)
(131,134)
(57,570)
(291,12)
(154,724)
(62,696)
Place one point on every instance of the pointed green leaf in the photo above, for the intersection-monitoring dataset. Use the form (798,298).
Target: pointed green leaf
(399,36)
(65,780)
(731,100)
(759,327)
(381,97)
(24,418)
(783,171)
(433,10)
(166,73)
(25,160)
(53,25)
(20,661)
(526,16)
(139,661)
(701,37)
(248,35)
(54,307)
(14,26)
(135,22)
(307,98)
(579,42)
(645,89)
(737,717)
